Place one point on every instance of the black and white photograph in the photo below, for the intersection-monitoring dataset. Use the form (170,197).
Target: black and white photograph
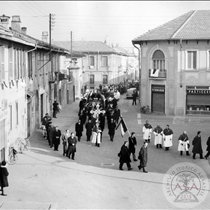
(104,105)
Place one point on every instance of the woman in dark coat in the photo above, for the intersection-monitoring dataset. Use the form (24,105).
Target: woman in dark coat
(208,148)
(3,177)
(143,157)
(79,129)
(56,138)
(197,147)
(132,144)
(124,155)
(72,141)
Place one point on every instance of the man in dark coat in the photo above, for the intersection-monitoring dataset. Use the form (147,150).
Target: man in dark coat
(89,127)
(79,129)
(208,148)
(45,121)
(132,144)
(72,141)
(124,155)
(117,114)
(143,157)
(3,177)
(111,128)
(197,147)
(55,108)
(56,138)
(51,134)
(134,95)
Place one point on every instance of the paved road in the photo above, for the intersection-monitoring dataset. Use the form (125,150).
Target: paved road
(44,179)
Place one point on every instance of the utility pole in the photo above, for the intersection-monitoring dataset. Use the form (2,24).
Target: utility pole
(50,31)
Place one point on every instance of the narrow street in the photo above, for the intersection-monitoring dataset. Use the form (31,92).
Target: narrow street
(44,179)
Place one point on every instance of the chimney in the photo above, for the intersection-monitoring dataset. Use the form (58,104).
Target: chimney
(24,30)
(4,21)
(45,36)
(15,23)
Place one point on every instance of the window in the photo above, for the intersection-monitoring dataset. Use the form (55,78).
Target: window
(10,54)
(24,64)
(92,79)
(16,113)
(18,65)
(10,119)
(158,60)
(92,61)
(2,70)
(191,59)
(105,79)
(104,61)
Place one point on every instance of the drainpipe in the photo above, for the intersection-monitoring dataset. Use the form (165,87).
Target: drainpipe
(180,41)
(139,72)
(33,49)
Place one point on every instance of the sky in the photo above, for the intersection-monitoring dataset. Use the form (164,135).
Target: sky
(118,22)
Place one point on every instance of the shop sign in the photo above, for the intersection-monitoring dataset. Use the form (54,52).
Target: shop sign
(160,90)
(196,91)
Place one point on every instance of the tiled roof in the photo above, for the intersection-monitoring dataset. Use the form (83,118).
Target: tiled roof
(121,51)
(85,46)
(191,25)
(18,37)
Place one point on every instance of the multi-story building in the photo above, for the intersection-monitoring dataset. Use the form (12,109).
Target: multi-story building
(31,77)
(175,65)
(101,65)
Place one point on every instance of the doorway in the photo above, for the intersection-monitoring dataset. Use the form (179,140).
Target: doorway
(158,99)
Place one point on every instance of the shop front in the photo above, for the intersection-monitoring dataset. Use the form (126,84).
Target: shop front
(198,100)
(158,99)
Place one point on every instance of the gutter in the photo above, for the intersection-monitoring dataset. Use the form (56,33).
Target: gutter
(181,71)
(33,49)
(139,73)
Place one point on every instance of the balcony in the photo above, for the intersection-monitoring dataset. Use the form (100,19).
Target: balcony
(157,74)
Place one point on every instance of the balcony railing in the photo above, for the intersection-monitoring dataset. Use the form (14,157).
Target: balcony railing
(157,74)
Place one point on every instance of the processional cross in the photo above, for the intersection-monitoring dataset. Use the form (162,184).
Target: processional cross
(97,112)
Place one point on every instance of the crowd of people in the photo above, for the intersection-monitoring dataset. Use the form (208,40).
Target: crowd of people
(98,108)
(164,138)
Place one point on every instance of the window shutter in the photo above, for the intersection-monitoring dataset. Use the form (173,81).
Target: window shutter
(2,63)
(10,63)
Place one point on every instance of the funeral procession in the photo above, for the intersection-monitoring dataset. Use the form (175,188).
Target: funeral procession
(96,117)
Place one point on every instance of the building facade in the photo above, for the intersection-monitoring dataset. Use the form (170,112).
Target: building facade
(32,75)
(100,65)
(175,76)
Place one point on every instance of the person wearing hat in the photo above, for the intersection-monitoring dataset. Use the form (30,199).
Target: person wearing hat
(143,157)
(3,177)
(158,132)
(167,138)
(147,130)
(197,146)
(184,143)
(124,155)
